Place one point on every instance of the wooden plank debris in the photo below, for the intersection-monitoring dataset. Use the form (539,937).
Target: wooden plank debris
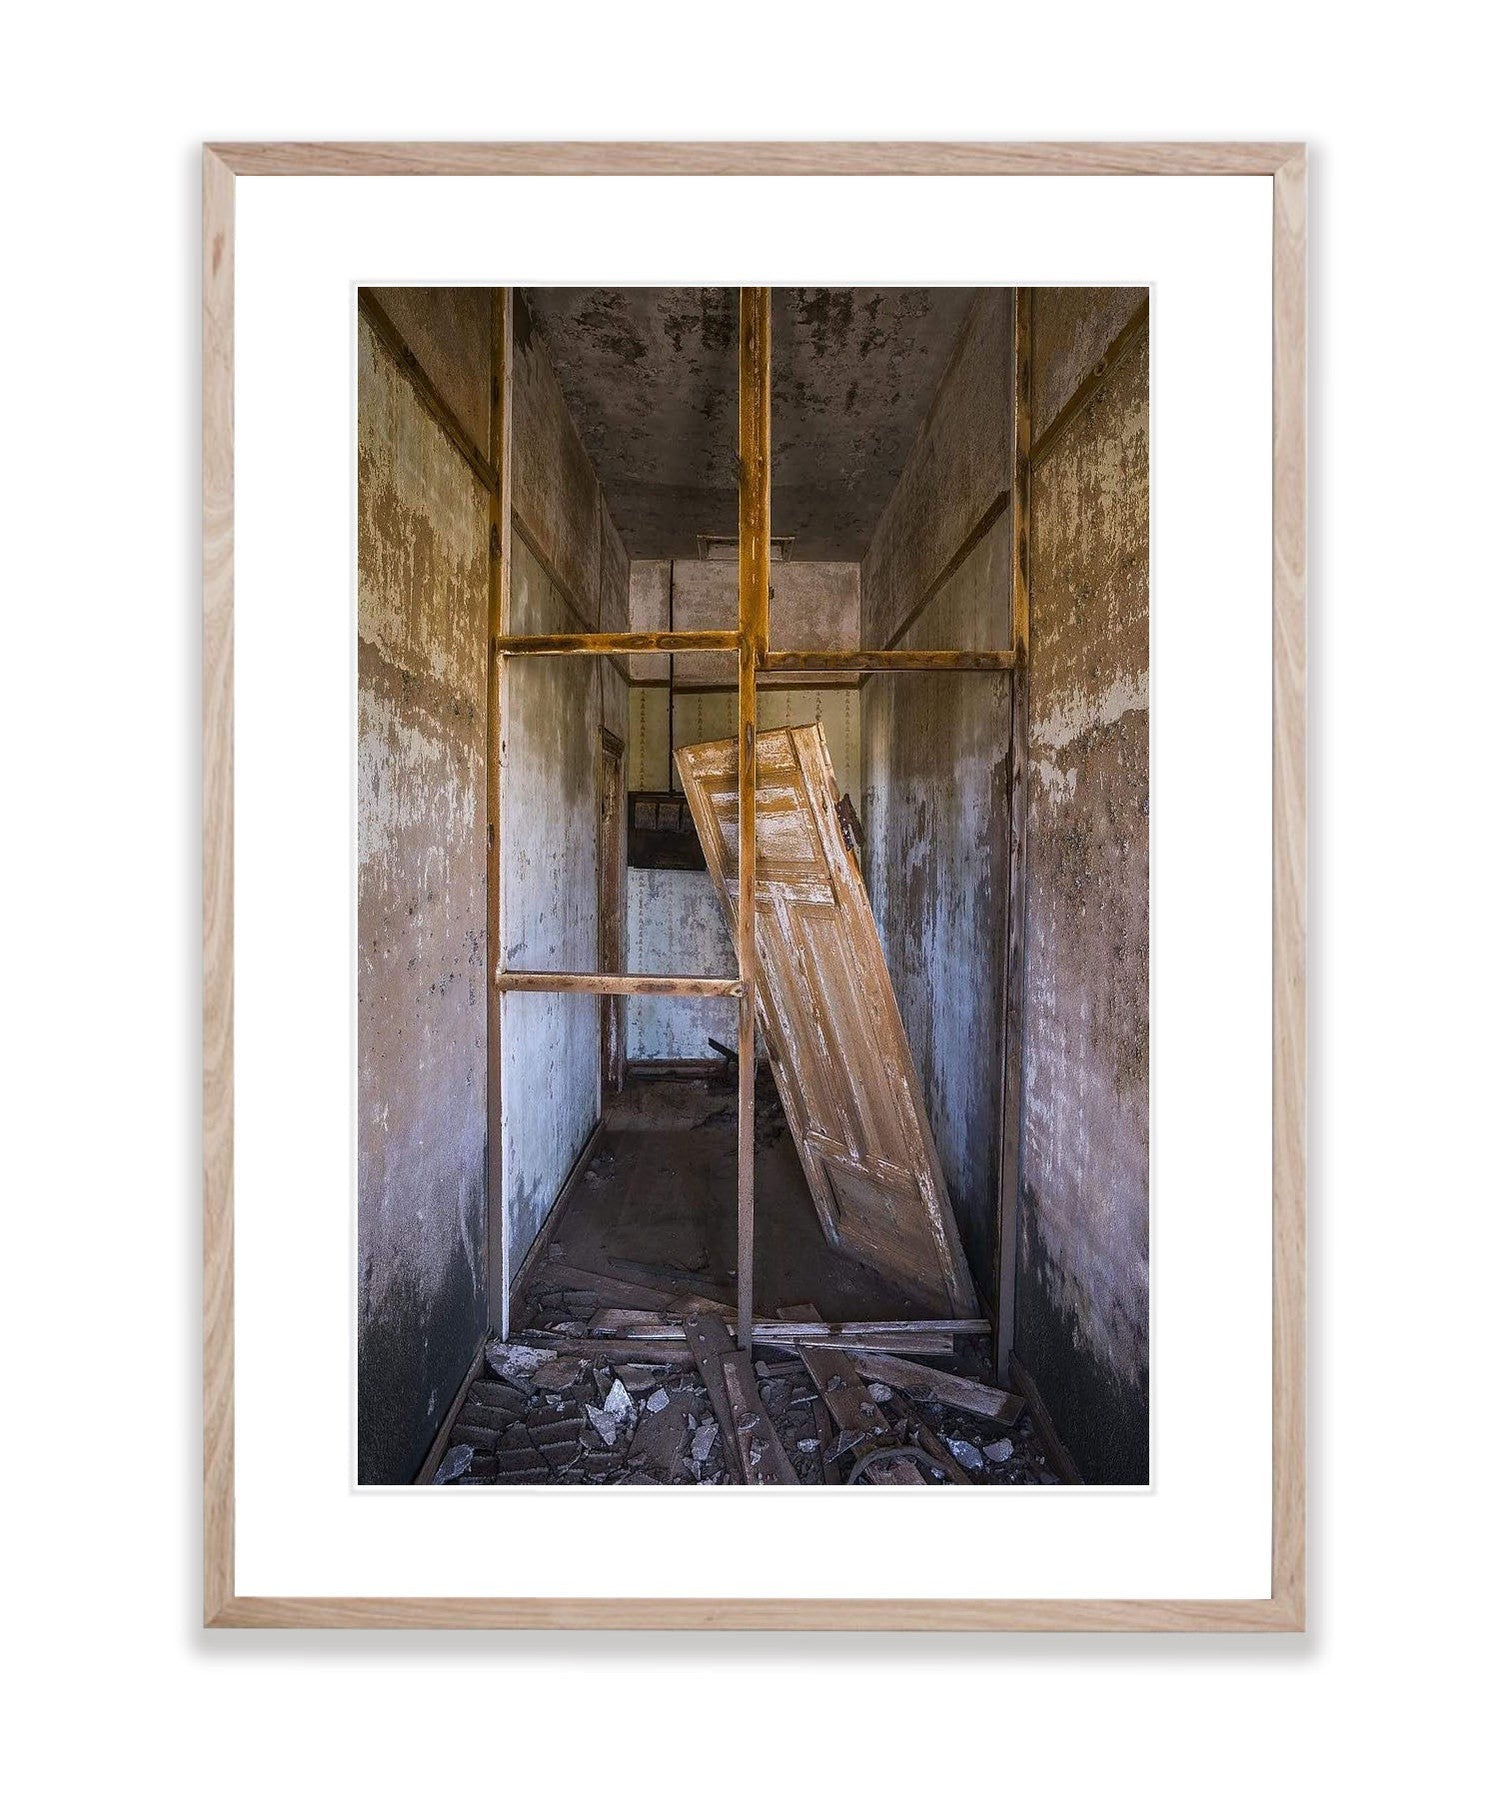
(658,1352)
(709,1342)
(762,1455)
(850,1404)
(794,1326)
(643,1325)
(940,1388)
(922,1434)
(830,1475)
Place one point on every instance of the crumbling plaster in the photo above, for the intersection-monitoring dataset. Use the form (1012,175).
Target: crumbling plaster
(1083,1293)
(423,598)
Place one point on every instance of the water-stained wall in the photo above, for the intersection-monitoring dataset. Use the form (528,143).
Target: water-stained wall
(1082,1299)
(935,864)
(569,572)
(936,763)
(550,1069)
(423,604)
(424,961)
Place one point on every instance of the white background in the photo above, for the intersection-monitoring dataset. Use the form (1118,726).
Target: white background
(1387,1691)
(1203,1532)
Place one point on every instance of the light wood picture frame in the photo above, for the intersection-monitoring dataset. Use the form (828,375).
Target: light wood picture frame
(1286,164)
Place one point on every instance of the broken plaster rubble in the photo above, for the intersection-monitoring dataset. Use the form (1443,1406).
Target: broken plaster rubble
(653,1424)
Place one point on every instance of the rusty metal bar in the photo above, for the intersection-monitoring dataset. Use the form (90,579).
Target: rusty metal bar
(497,1228)
(889,661)
(685,986)
(619,643)
(753,642)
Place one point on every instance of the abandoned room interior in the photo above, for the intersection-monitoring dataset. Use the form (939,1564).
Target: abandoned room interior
(753,886)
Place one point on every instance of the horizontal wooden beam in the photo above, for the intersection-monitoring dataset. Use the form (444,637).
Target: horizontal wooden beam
(646,1340)
(890,661)
(618,643)
(684,986)
(791,1332)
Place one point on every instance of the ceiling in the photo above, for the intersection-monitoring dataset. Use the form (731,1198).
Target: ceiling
(650,376)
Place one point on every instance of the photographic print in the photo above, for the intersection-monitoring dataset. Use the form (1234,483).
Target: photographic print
(753,836)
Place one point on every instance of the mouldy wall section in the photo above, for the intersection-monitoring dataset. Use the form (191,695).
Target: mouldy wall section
(423,957)
(423,613)
(936,764)
(569,572)
(1082,1301)
(550,1078)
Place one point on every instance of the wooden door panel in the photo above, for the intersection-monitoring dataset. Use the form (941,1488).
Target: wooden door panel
(827,1011)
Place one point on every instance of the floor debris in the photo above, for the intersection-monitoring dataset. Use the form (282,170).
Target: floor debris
(561,1404)
(623,1412)
(457,1461)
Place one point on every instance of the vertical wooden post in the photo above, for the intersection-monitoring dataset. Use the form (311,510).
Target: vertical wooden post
(754,635)
(497,1224)
(1013,1067)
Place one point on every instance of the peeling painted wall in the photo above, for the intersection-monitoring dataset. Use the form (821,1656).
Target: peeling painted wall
(936,770)
(423,600)
(448,330)
(959,465)
(577,575)
(676,926)
(554,491)
(1073,329)
(550,1066)
(1082,1317)
(936,866)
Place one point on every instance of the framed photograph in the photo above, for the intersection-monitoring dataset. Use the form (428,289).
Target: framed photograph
(754,886)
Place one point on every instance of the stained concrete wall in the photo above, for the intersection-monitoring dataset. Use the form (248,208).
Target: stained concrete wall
(959,465)
(423,602)
(813,606)
(1082,1298)
(554,491)
(569,571)
(936,866)
(550,1056)
(676,926)
(936,764)
(423,605)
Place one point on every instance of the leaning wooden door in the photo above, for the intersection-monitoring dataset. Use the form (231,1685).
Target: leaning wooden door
(828,1013)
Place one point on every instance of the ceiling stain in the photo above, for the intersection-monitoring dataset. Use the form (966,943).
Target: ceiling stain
(650,376)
